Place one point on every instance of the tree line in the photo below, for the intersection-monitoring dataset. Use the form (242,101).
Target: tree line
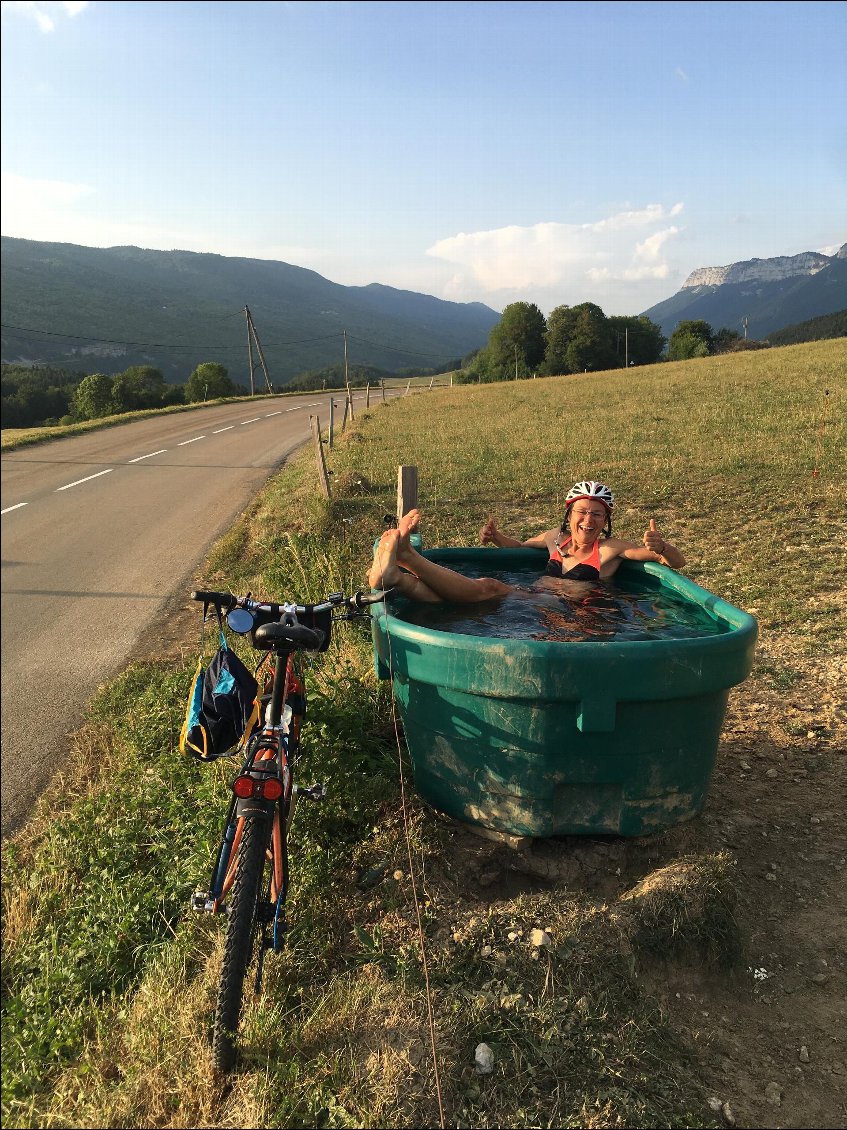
(44,396)
(572,339)
(34,397)
(578,339)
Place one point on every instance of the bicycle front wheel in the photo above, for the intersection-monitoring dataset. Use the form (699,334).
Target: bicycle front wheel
(241,934)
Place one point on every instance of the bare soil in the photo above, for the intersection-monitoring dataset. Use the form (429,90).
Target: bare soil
(772,1030)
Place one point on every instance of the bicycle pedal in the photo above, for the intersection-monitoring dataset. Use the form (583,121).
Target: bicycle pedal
(201,902)
(310,792)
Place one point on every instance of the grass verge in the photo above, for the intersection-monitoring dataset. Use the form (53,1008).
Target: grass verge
(109,985)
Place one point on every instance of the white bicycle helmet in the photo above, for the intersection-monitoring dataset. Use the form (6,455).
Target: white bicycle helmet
(590,489)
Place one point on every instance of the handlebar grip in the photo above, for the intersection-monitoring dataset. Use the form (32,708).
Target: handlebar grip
(222,599)
(362,599)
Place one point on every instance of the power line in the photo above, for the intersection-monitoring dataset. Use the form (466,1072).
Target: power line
(160,345)
(218,348)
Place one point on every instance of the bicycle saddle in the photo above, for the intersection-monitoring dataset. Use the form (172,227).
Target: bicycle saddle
(275,636)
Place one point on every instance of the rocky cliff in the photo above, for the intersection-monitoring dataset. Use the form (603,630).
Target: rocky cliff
(759,295)
(763,270)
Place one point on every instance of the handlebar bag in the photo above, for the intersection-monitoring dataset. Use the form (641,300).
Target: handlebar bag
(222,709)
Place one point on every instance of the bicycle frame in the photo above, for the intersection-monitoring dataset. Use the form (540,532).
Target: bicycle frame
(269,758)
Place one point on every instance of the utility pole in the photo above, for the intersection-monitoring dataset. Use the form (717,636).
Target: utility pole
(516,361)
(744,324)
(251,329)
(626,347)
(250,352)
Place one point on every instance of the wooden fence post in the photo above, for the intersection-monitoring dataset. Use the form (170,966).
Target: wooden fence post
(407,490)
(408,386)
(331,421)
(350,402)
(368,395)
(319,452)
(383,391)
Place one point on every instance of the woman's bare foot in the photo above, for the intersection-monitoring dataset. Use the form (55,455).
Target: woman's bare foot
(384,572)
(407,525)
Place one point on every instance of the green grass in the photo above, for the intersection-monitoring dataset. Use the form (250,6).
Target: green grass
(109,984)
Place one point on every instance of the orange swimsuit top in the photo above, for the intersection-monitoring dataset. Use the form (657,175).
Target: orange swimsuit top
(588,570)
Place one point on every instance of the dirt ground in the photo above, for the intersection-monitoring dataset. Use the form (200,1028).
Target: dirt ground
(774,1033)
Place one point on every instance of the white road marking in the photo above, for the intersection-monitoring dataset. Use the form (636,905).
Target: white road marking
(87,479)
(161,451)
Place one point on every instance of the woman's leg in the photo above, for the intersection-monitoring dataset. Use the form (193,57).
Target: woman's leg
(428,581)
(385,573)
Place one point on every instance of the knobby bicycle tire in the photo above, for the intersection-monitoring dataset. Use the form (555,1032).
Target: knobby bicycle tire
(240,937)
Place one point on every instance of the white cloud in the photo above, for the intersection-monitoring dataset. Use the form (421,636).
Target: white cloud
(680,74)
(652,214)
(25,196)
(44,12)
(553,263)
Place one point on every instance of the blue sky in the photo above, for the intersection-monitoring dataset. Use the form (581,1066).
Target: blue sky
(493,152)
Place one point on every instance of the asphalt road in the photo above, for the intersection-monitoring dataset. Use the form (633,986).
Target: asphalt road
(100,532)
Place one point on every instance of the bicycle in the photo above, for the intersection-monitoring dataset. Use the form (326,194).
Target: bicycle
(250,877)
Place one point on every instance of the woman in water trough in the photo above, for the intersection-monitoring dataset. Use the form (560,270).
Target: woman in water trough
(581,549)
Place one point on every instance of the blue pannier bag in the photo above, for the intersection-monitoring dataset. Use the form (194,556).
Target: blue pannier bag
(222,709)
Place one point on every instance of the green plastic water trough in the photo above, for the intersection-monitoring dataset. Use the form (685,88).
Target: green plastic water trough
(538,738)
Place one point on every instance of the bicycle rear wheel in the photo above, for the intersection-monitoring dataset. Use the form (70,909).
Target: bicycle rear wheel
(242,932)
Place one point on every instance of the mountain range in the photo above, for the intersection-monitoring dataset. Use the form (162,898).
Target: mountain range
(758,296)
(104,309)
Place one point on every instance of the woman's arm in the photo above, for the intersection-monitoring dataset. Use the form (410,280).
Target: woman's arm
(491,534)
(669,556)
(654,548)
(666,553)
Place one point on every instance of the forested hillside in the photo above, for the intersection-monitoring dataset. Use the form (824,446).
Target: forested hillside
(816,329)
(106,309)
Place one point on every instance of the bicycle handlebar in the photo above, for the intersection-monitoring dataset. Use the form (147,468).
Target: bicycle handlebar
(227,601)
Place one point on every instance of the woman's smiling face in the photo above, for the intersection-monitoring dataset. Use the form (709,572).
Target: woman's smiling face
(586,520)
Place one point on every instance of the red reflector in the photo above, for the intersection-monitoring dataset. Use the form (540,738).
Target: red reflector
(272,789)
(243,786)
